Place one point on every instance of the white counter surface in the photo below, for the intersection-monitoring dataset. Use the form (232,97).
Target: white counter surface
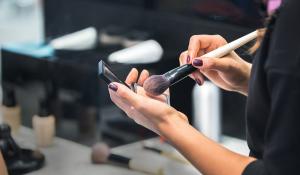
(69,158)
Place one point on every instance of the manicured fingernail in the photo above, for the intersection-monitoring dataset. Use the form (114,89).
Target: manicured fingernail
(197,62)
(113,87)
(188,59)
(198,81)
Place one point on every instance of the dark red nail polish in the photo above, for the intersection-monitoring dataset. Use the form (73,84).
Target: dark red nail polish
(188,59)
(197,62)
(113,87)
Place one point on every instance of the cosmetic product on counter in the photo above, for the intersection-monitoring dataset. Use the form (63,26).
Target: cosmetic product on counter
(18,160)
(88,124)
(207,110)
(44,125)
(158,84)
(11,112)
(101,154)
(145,52)
(81,40)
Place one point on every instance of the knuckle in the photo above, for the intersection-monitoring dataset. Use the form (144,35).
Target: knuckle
(194,37)
(169,112)
(220,38)
(181,55)
(122,94)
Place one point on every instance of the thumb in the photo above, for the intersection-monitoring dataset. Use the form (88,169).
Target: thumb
(217,64)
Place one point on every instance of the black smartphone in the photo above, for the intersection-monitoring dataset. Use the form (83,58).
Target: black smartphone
(108,76)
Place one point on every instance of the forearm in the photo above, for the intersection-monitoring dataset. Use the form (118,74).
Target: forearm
(3,169)
(206,155)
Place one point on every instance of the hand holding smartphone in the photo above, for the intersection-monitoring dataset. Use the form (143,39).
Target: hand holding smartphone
(106,74)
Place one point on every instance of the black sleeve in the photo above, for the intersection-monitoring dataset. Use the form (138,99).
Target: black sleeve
(282,139)
(282,136)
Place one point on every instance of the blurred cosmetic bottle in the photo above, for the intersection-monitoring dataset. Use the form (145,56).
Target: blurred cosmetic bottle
(11,112)
(44,125)
(207,110)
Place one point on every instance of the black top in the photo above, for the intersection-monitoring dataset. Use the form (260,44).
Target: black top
(273,106)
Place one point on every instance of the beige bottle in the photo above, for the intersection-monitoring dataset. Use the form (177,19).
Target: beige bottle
(11,112)
(44,125)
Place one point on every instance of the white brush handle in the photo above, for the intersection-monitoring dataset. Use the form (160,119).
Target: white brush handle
(226,49)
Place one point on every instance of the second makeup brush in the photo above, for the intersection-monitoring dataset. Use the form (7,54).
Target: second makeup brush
(157,84)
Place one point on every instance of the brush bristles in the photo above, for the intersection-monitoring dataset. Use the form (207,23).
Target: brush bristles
(100,153)
(156,84)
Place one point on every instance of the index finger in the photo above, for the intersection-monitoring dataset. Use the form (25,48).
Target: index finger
(138,102)
(199,44)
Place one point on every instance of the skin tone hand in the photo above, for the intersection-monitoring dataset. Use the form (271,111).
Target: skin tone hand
(153,113)
(231,72)
(134,107)
(133,77)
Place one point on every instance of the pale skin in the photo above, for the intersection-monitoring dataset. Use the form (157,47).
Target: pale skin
(230,73)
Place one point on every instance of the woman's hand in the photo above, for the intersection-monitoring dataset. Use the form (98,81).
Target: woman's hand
(3,169)
(231,72)
(133,77)
(154,114)
(151,112)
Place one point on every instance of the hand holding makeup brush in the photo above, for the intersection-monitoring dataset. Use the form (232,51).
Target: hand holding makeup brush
(157,84)
(151,112)
(229,72)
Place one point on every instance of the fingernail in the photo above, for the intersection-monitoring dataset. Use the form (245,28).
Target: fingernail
(132,69)
(188,59)
(198,62)
(113,87)
(198,82)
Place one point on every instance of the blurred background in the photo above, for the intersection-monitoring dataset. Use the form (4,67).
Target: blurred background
(36,66)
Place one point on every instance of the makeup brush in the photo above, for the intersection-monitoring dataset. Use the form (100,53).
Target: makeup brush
(158,84)
(101,154)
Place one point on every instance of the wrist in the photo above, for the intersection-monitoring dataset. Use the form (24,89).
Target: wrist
(172,125)
(243,89)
